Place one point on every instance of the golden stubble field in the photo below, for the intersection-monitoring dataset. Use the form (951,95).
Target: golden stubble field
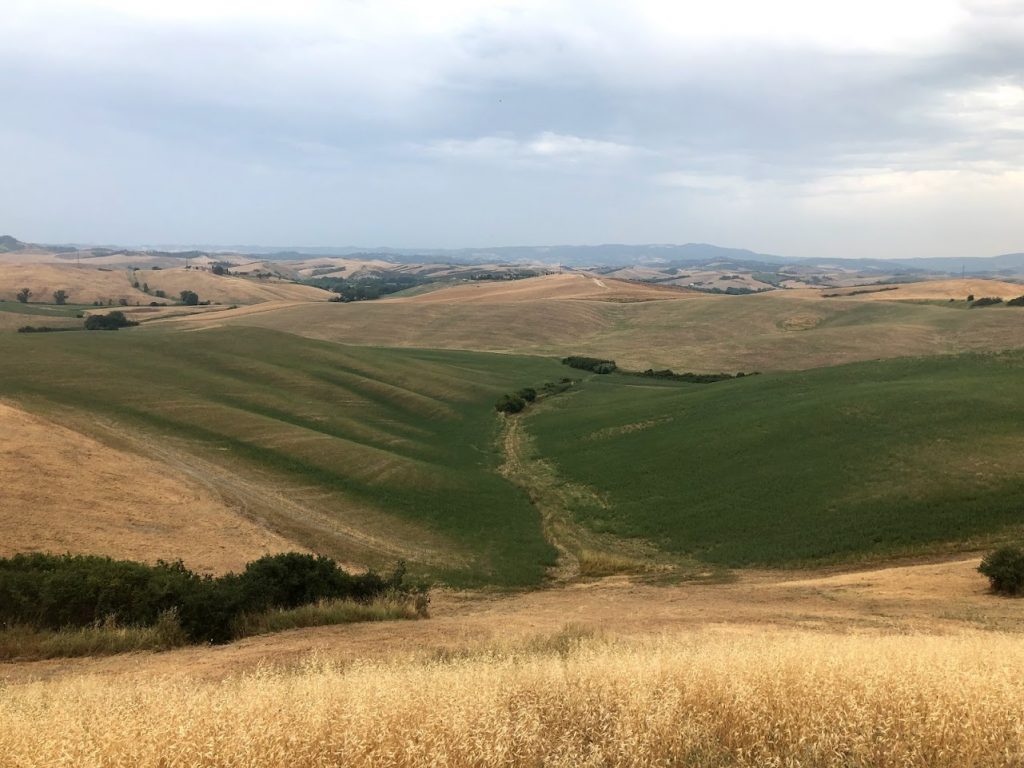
(642,326)
(912,665)
(66,491)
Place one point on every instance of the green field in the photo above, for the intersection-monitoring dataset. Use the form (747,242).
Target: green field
(397,444)
(870,459)
(399,450)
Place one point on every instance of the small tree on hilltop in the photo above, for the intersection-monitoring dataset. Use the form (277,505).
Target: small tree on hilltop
(23,295)
(60,297)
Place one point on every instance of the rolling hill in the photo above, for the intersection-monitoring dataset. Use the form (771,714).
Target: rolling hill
(866,460)
(87,284)
(367,455)
(780,330)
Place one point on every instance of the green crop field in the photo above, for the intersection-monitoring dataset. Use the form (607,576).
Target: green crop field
(395,444)
(863,460)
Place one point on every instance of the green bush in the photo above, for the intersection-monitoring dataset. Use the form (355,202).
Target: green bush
(593,364)
(1017,302)
(529,394)
(51,592)
(108,322)
(510,404)
(986,301)
(1004,568)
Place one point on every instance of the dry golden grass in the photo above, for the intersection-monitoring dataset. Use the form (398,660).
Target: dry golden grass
(933,290)
(696,699)
(780,330)
(87,284)
(64,491)
(224,289)
(561,286)
(84,285)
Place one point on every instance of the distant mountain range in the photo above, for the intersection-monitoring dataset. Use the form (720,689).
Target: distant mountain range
(609,255)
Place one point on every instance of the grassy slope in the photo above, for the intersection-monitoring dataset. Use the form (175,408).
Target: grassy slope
(409,433)
(773,331)
(871,458)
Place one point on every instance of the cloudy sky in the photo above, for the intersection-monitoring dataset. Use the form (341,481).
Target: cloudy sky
(800,127)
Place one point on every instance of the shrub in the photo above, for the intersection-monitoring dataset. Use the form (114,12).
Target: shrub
(970,297)
(189,298)
(510,404)
(43,329)
(108,322)
(1004,568)
(23,295)
(1017,302)
(986,301)
(593,364)
(529,394)
(50,592)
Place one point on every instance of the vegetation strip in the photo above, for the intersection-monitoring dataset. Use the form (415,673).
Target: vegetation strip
(77,592)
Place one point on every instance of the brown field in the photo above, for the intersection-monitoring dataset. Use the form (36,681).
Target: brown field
(905,666)
(935,290)
(87,284)
(550,287)
(66,492)
(226,289)
(779,330)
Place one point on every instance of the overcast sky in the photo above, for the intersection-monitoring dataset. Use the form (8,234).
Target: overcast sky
(800,127)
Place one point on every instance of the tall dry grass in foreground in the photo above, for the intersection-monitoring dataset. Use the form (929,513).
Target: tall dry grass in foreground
(705,699)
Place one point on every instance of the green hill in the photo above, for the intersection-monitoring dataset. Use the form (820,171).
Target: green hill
(391,445)
(867,459)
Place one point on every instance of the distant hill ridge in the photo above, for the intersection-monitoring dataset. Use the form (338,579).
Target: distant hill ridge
(604,255)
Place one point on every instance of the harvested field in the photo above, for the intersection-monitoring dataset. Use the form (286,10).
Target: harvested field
(780,330)
(547,287)
(66,492)
(934,290)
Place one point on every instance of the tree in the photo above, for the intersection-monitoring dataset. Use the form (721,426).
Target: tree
(108,322)
(23,295)
(219,269)
(60,297)
(189,298)
(1004,568)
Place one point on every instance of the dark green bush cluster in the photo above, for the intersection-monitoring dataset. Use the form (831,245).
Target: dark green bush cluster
(1004,568)
(694,378)
(986,301)
(43,329)
(593,364)
(1017,302)
(57,592)
(368,288)
(514,402)
(108,322)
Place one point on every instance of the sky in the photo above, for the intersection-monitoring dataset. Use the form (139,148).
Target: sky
(875,128)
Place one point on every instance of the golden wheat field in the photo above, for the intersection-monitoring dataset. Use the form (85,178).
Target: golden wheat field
(706,698)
